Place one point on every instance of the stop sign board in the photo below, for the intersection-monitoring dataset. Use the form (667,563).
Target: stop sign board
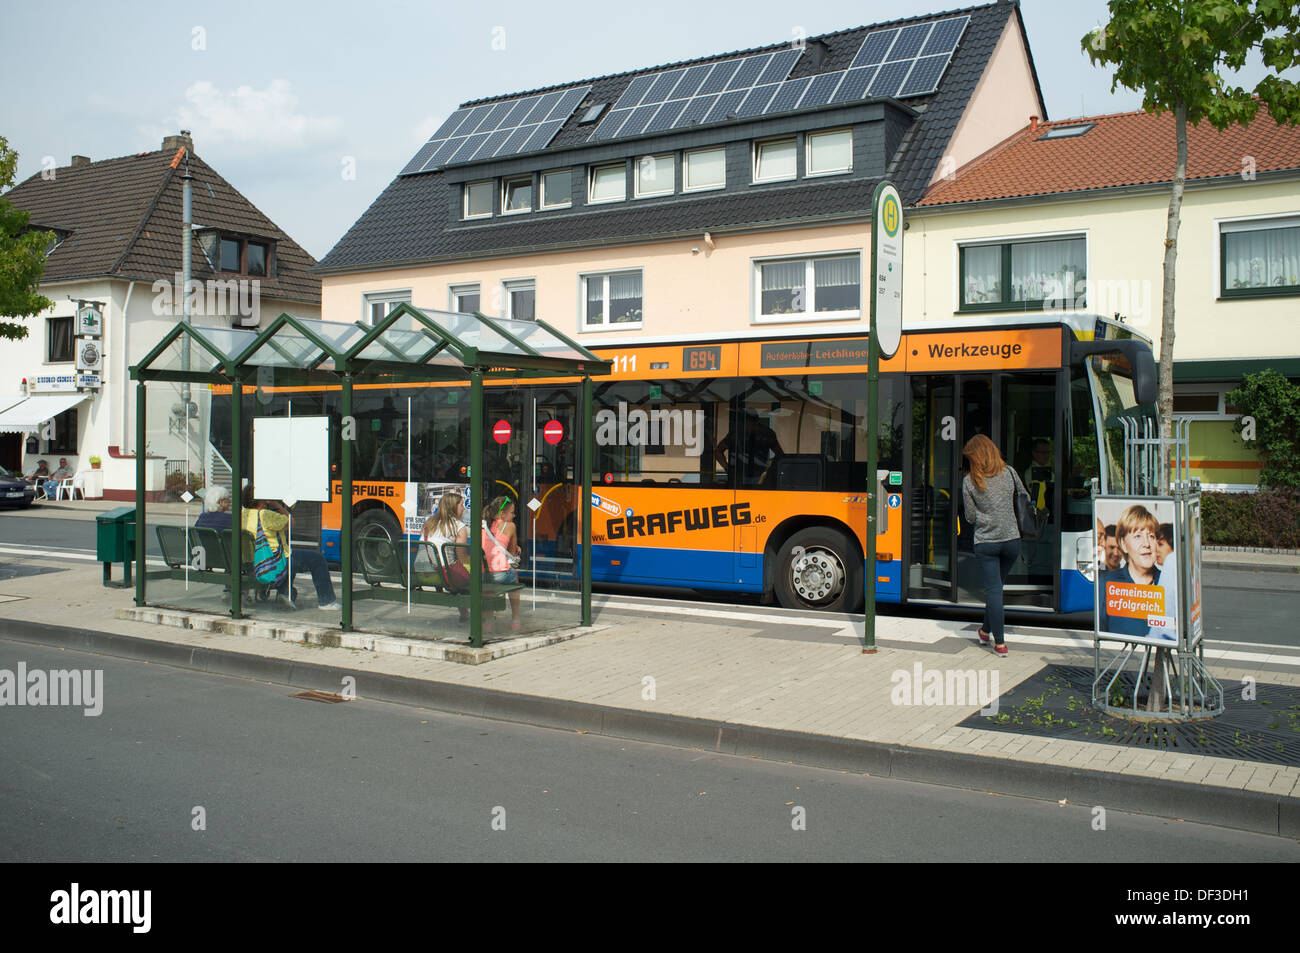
(553,432)
(501,431)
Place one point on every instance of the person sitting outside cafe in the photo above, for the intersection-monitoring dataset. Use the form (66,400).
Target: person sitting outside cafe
(63,472)
(40,474)
(273,518)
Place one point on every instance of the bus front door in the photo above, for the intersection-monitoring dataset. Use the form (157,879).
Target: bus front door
(1017,411)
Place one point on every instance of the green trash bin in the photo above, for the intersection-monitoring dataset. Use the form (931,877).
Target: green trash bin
(115,542)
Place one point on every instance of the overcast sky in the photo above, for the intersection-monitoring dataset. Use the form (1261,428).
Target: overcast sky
(283,98)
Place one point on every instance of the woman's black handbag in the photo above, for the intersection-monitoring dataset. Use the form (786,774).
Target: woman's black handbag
(1029,519)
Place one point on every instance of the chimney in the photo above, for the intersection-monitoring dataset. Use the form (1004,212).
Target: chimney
(79,162)
(172,143)
(1033,123)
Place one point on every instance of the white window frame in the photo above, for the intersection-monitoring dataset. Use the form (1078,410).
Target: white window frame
(517,284)
(591,182)
(758,146)
(455,291)
(1243,223)
(958,245)
(390,298)
(583,278)
(808,143)
(638,192)
(1193,388)
(505,188)
(686,166)
(464,200)
(542,204)
(756,289)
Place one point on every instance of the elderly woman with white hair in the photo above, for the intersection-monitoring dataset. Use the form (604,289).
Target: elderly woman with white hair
(216,509)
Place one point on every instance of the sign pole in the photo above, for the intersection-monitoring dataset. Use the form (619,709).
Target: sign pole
(885,335)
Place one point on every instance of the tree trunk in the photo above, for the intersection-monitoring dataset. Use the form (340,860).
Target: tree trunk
(1171,261)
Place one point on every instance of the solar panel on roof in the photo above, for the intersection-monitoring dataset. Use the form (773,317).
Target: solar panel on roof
(756,101)
(778,67)
(925,75)
(498,129)
(819,93)
(874,47)
(635,90)
(747,72)
(666,116)
(689,84)
(788,95)
(944,36)
(695,111)
(909,42)
(661,87)
(854,85)
(718,79)
(608,128)
(890,62)
(639,119)
(890,77)
(725,107)
(914,57)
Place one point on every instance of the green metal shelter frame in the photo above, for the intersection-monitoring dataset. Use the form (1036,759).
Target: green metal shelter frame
(410,345)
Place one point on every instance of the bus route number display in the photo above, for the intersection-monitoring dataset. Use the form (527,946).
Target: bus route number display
(701,358)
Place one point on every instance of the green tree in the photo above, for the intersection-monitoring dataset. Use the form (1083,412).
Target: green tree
(1270,407)
(1174,52)
(22,257)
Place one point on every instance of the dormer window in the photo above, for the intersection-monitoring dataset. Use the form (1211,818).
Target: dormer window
(517,195)
(242,256)
(478,200)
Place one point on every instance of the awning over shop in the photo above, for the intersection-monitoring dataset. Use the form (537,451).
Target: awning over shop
(8,400)
(27,416)
(1233,370)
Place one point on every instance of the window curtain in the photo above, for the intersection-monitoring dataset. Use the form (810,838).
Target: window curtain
(1268,258)
(837,281)
(1043,271)
(595,300)
(982,275)
(783,287)
(625,297)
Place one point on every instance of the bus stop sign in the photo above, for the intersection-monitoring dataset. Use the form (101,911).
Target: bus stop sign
(887,269)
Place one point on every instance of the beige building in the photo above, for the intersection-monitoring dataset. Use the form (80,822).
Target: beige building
(1071,216)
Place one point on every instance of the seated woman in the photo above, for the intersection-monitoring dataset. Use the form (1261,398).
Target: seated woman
(216,510)
(274,520)
(446,525)
(499,544)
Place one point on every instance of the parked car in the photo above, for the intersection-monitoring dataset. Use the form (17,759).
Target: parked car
(14,490)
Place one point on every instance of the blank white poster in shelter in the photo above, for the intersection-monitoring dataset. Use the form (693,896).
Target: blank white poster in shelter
(291,458)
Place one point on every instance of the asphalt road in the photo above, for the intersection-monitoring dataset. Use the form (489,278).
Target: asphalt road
(284,779)
(1240,605)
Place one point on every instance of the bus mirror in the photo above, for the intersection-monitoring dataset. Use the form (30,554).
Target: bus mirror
(1136,353)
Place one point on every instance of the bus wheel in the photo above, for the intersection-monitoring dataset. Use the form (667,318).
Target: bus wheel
(375,523)
(818,568)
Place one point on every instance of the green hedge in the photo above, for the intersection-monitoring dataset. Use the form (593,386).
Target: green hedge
(1269,518)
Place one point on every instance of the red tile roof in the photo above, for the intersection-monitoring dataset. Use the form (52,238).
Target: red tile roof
(1121,149)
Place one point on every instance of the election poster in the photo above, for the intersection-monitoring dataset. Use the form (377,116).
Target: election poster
(1137,570)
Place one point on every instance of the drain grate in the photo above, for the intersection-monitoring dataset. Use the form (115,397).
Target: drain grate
(329,698)
(1056,703)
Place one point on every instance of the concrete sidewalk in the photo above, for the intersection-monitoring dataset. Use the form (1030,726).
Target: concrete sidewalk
(744,680)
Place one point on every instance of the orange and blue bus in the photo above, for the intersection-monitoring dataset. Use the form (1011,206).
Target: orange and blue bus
(741,465)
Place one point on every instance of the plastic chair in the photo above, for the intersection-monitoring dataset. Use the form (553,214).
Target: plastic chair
(71,485)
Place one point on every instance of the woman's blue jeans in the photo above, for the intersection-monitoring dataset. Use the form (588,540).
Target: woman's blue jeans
(996,560)
(311,561)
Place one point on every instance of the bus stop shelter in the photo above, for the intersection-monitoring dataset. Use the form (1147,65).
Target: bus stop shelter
(408,346)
